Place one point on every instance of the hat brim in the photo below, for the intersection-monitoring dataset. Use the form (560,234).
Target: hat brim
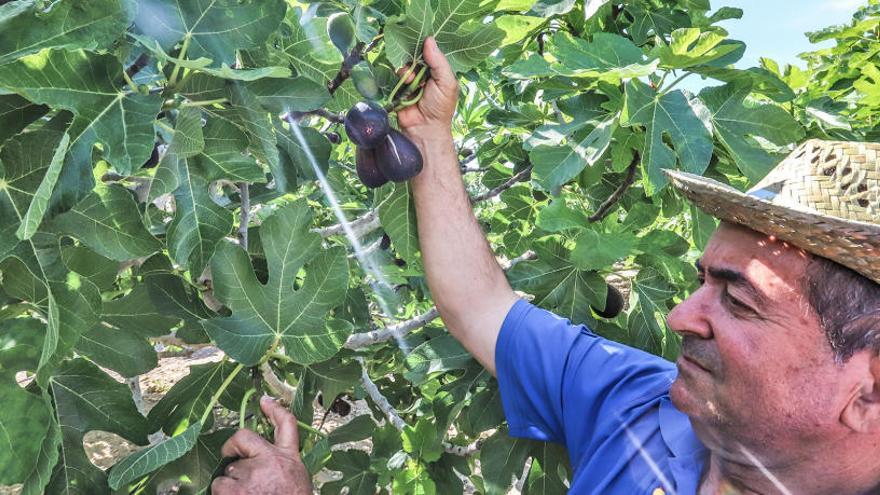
(853,244)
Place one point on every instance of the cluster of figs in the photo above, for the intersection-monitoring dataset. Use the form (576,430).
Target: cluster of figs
(383,153)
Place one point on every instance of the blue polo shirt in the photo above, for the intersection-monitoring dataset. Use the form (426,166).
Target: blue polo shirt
(606,402)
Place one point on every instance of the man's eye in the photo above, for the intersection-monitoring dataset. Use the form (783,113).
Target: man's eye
(736,303)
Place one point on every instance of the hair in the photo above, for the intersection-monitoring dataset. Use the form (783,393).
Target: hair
(848,306)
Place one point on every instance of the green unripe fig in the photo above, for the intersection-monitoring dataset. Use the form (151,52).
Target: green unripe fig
(367,169)
(364,81)
(367,124)
(340,28)
(398,158)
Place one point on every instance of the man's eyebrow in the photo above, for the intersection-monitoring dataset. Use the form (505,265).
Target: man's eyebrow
(736,278)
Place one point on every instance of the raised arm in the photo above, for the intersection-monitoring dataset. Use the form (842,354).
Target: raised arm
(468,286)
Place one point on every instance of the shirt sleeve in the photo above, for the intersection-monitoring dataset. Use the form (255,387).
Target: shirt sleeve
(562,383)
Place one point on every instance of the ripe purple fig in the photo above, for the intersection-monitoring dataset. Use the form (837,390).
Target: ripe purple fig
(367,171)
(367,124)
(398,158)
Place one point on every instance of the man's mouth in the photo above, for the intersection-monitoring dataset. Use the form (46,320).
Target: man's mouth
(692,363)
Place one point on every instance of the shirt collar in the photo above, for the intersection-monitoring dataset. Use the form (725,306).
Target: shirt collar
(688,453)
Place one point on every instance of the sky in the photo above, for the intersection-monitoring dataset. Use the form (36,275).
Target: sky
(775,28)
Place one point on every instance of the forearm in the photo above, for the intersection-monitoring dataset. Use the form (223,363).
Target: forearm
(469,288)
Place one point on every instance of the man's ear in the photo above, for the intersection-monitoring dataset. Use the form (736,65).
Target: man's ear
(862,412)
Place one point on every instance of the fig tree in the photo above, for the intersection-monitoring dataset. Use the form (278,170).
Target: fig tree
(398,158)
(367,124)
(367,170)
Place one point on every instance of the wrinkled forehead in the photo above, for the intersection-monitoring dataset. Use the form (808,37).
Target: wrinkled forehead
(769,263)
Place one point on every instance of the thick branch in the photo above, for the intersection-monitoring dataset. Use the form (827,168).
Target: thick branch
(379,399)
(345,71)
(527,256)
(366,339)
(523,175)
(361,226)
(463,450)
(279,387)
(336,118)
(605,208)
(369,221)
(394,418)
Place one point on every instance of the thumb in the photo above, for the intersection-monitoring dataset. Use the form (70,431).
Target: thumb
(286,430)
(441,70)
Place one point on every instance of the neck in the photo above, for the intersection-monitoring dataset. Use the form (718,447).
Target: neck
(725,477)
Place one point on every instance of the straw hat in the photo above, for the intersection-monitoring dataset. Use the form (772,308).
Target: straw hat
(824,198)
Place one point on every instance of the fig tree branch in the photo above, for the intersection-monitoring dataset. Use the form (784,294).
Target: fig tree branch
(365,339)
(279,387)
(361,226)
(521,176)
(606,206)
(379,399)
(336,118)
(369,222)
(345,71)
(394,418)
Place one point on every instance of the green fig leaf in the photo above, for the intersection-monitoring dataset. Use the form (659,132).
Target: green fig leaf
(275,312)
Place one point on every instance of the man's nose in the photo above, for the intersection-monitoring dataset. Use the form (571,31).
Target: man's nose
(692,315)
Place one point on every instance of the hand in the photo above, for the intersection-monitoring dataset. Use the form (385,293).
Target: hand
(264,468)
(433,113)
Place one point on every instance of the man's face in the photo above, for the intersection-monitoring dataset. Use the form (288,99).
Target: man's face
(755,368)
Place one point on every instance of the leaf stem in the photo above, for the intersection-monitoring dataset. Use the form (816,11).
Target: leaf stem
(130,82)
(245,214)
(219,392)
(401,82)
(172,81)
(311,429)
(243,407)
(204,103)
(675,82)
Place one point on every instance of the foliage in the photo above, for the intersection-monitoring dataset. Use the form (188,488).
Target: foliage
(150,186)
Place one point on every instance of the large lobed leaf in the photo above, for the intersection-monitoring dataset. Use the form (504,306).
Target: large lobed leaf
(215,28)
(684,119)
(455,24)
(276,312)
(89,86)
(25,28)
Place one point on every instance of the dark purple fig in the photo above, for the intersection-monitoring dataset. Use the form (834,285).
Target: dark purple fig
(368,172)
(153,160)
(613,304)
(367,124)
(333,137)
(398,158)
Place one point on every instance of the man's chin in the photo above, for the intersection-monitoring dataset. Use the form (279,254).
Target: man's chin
(699,407)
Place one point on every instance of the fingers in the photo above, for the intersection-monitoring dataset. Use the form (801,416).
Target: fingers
(404,71)
(244,444)
(223,485)
(286,430)
(441,71)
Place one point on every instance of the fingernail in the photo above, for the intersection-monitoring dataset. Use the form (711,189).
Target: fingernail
(267,398)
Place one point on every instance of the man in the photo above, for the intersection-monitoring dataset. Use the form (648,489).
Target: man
(777,389)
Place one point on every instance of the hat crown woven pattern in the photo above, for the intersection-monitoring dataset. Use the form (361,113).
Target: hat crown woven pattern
(833,178)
